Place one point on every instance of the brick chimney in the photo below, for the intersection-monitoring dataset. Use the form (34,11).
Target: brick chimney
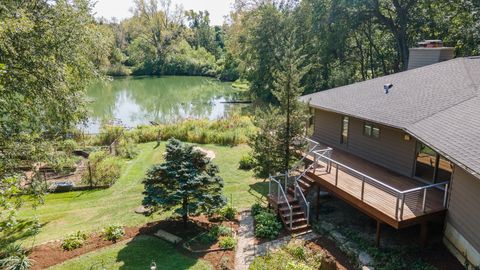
(429,52)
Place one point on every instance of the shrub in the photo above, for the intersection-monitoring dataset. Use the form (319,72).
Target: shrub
(113,232)
(224,231)
(14,257)
(267,225)
(227,242)
(228,212)
(104,169)
(127,148)
(108,134)
(74,241)
(68,146)
(257,208)
(62,163)
(215,232)
(247,162)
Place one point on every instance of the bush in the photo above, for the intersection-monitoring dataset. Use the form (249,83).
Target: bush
(68,146)
(215,232)
(113,232)
(267,225)
(228,212)
(74,241)
(257,208)
(14,257)
(227,242)
(108,134)
(247,162)
(127,148)
(104,169)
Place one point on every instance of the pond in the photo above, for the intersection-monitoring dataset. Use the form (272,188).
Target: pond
(134,101)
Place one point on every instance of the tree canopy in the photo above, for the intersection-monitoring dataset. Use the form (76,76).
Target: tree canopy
(187,182)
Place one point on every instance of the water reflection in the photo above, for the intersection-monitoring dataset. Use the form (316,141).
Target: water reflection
(139,100)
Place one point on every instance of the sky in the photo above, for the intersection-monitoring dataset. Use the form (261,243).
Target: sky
(120,9)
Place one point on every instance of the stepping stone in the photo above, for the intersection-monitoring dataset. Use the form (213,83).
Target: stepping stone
(168,237)
(141,210)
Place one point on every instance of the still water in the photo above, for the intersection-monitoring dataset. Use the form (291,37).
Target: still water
(139,100)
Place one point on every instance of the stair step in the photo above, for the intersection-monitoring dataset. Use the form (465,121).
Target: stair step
(283,209)
(299,229)
(297,220)
(306,178)
(287,214)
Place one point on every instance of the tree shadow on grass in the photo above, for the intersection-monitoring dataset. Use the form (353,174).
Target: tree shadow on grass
(143,250)
(259,190)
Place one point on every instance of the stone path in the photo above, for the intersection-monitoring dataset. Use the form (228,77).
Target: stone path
(246,248)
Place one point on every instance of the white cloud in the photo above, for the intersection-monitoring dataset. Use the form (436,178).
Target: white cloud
(120,9)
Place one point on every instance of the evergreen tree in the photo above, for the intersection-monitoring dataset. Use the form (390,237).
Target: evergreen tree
(281,129)
(186,182)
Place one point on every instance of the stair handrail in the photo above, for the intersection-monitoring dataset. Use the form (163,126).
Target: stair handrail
(303,200)
(310,150)
(281,191)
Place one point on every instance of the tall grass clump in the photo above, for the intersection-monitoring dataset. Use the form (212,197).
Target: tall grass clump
(229,131)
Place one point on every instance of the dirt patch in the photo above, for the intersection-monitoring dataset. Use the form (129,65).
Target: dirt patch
(52,253)
(332,252)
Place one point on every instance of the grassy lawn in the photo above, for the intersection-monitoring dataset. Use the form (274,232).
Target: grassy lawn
(136,254)
(88,211)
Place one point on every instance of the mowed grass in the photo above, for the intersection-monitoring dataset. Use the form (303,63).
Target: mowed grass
(135,254)
(90,211)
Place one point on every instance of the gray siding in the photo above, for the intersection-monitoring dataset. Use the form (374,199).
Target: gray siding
(464,206)
(390,150)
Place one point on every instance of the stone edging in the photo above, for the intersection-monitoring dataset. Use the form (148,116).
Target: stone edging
(364,260)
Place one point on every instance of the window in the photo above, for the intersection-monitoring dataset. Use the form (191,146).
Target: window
(344,137)
(371,131)
(430,166)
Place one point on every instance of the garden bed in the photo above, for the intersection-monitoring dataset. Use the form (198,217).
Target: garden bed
(52,253)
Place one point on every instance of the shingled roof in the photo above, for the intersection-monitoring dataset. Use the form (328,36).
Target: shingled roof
(438,104)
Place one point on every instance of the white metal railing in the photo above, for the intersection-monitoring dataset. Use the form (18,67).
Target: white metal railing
(276,190)
(403,197)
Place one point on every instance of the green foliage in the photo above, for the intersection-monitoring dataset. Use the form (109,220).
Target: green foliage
(186,182)
(293,256)
(246,162)
(230,131)
(267,225)
(14,257)
(257,208)
(228,242)
(68,146)
(214,233)
(113,232)
(103,169)
(127,148)
(228,212)
(74,241)
(109,133)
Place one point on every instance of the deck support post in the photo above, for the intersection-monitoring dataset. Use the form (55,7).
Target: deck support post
(317,208)
(377,236)
(424,234)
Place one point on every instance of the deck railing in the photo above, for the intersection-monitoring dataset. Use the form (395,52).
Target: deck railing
(403,197)
(276,190)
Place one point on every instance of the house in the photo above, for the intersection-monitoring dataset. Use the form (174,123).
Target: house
(403,148)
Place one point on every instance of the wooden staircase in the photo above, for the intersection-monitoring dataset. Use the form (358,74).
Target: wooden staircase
(300,223)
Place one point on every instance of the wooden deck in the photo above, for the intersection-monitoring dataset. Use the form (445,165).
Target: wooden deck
(378,201)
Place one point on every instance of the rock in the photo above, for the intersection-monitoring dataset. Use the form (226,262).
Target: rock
(368,267)
(338,237)
(168,236)
(364,258)
(142,210)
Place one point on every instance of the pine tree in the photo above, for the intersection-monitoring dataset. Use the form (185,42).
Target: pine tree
(281,128)
(187,182)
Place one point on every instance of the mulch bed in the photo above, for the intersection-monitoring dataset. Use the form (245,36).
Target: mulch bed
(52,253)
(332,252)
